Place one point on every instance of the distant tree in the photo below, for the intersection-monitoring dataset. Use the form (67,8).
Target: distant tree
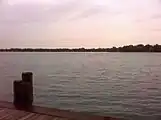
(157,48)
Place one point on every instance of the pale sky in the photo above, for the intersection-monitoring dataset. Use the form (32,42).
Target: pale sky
(79,23)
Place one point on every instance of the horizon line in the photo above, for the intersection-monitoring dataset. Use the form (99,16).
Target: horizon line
(77,47)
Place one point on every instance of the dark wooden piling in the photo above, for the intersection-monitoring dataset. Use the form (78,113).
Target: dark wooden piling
(23,90)
(27,77)
(17,92)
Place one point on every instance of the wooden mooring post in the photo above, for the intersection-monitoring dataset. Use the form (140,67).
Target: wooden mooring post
(23,90)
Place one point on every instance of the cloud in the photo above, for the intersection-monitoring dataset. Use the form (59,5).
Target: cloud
(26,21)
(19,12)
(26,13)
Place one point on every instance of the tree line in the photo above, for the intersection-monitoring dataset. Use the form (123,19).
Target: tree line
(127,48)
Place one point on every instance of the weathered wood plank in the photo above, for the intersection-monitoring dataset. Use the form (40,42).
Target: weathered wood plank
(35,116)
(56,118)
(1,110)
(9,114)
(20,114)
(44,117)
(14,114)
(27,116)
(3,113)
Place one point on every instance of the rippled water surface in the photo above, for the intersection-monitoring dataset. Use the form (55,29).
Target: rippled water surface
(116,84)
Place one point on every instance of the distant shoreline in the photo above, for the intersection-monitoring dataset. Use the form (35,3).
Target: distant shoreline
(70,52)
(128,48)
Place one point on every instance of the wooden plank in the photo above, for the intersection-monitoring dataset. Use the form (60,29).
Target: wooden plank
(5,113)
(14,114)
(10,114)
(44,117)
(19,114)
(56,118)
(1,110)
(35,116)
(27,116)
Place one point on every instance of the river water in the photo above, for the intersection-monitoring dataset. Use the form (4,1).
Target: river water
(124,85)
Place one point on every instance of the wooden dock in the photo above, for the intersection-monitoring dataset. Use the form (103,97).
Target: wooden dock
(8,111)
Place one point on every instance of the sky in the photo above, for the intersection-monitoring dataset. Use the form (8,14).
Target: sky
(79,23)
